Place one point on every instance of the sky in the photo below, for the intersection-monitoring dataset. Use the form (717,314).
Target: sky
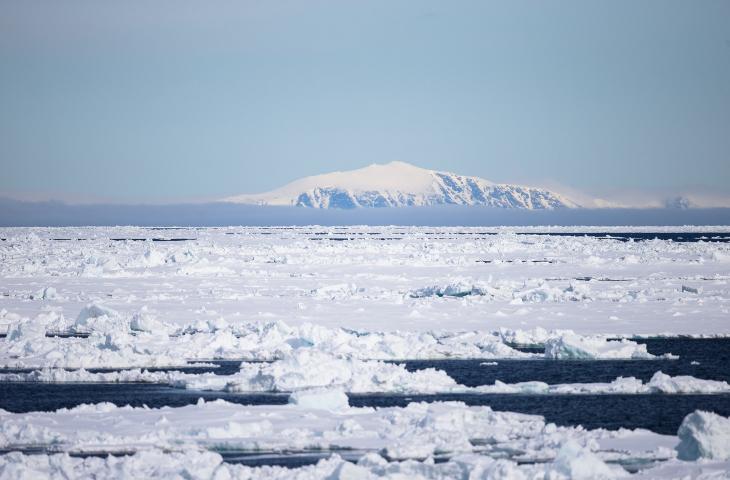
(182,100)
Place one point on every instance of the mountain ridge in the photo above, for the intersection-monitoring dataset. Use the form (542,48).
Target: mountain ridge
(399,184)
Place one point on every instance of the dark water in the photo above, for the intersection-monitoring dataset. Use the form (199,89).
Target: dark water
(681,237)
(28,397)
(128,239)
(660,413)
(657,412)
(218,367)
(711,359)
(287,459)
(345,235)
(472,373)
(723,237)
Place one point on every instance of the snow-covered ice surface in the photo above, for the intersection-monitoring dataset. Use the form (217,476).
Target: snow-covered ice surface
(418,431)
(704,435)
(399,184)
(389,442)
(373,293)
(425,279)
(325,307)
(305,370)
(383,279)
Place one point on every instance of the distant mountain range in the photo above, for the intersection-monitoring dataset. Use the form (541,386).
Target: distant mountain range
(399,184)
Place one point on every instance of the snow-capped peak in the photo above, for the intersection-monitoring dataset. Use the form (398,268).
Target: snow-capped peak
(398,184)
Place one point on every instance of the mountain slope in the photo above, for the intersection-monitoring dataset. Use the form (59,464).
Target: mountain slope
(399,184)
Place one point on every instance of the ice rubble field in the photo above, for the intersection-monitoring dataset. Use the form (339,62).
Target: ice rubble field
(325,308)
(423,279)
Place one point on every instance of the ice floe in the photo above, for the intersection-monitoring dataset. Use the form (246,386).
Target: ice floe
(142,340)
(198,465)
(309,369)
(417,431)
(326,316)
(575,347)
(457,279)
(704,435)
(470,442)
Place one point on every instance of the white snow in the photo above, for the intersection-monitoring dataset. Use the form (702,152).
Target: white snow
(399,184)
(259,293)
(325,314)
(308,368)
(311,371)
(320,398)
(249,275)
(394,443)
(207,465)
(576,462)
(417,431)
(704,435)
(141,340)
(659,383)
(196,464)
(576,347)
(392,176)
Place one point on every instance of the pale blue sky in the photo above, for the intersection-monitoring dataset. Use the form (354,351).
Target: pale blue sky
(170,100)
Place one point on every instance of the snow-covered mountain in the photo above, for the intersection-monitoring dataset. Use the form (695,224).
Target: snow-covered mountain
(399,184)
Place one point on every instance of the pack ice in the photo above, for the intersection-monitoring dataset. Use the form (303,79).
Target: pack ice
(388,442)
(331,310)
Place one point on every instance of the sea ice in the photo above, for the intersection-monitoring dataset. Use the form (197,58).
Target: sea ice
(320,398)
(464,279)
(326,306)
(417,431)
(575,347)
(309,370)
(579,463)
(704,435)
